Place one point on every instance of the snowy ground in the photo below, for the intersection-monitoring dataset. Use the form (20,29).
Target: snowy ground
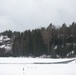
(25,66)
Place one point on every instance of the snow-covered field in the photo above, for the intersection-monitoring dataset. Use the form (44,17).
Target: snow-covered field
(26,66)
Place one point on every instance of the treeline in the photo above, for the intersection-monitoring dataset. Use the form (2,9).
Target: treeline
(53,41)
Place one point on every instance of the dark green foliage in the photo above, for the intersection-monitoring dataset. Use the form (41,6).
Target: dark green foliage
(8,33)
(2,52)
(38,44)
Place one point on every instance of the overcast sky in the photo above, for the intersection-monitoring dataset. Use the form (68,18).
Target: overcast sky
(20,15)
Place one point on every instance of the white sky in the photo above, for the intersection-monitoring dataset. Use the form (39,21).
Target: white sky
(19,15)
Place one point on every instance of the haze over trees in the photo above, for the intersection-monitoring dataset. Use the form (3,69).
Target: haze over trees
(53,41)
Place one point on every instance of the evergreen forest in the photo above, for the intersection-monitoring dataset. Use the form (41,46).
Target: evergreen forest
(52,41)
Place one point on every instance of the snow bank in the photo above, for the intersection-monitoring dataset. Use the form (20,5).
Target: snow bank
(31,60)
